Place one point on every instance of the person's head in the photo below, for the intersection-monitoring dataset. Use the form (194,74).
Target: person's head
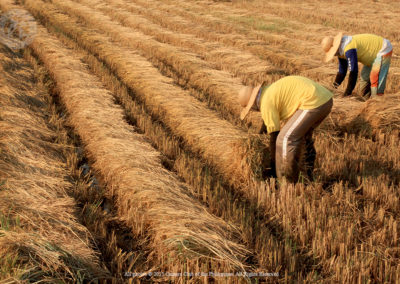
(330,45)
(247,99)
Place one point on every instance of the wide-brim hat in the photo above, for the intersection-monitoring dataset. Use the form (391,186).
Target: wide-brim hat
(331,46)
(249,94)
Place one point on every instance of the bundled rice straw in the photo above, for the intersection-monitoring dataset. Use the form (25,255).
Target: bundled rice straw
(383,113)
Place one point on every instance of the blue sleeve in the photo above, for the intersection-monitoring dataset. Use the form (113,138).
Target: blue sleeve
(342,66)
(351,56)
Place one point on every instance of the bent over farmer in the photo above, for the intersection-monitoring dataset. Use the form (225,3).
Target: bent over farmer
(302,100)
(373,51)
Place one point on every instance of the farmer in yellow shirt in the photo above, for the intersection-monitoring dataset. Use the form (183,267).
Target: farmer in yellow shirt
(305,103)
(373,51)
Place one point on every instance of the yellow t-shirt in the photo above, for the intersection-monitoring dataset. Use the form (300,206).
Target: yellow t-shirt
(367,46)
(284,97)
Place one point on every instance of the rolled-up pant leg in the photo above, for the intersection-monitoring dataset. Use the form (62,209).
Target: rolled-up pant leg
(293,135)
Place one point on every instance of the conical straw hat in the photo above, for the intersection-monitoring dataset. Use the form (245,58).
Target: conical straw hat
(247,97)
(330,46)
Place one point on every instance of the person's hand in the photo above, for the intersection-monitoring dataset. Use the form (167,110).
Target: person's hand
(263,129)
(338,80)
(335,85)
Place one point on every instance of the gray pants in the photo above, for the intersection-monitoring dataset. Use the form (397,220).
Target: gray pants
(297,132)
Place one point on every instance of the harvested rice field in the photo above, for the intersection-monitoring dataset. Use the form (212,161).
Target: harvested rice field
(124,159)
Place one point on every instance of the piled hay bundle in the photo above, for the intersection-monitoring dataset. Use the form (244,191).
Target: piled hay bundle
(344,111)
(374,117)
(383,113)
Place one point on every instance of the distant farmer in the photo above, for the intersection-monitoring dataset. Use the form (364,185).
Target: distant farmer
(371,50)
(302,100)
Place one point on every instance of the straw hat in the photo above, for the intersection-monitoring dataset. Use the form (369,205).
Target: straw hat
(330,45)
(247,97)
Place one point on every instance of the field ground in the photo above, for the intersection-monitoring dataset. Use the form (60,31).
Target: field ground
(122,151)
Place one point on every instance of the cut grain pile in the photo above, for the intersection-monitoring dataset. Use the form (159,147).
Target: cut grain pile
(97,214)
(375,117)
(242,64)
(150,199)
(343,113)
(40,236)
(383,114)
